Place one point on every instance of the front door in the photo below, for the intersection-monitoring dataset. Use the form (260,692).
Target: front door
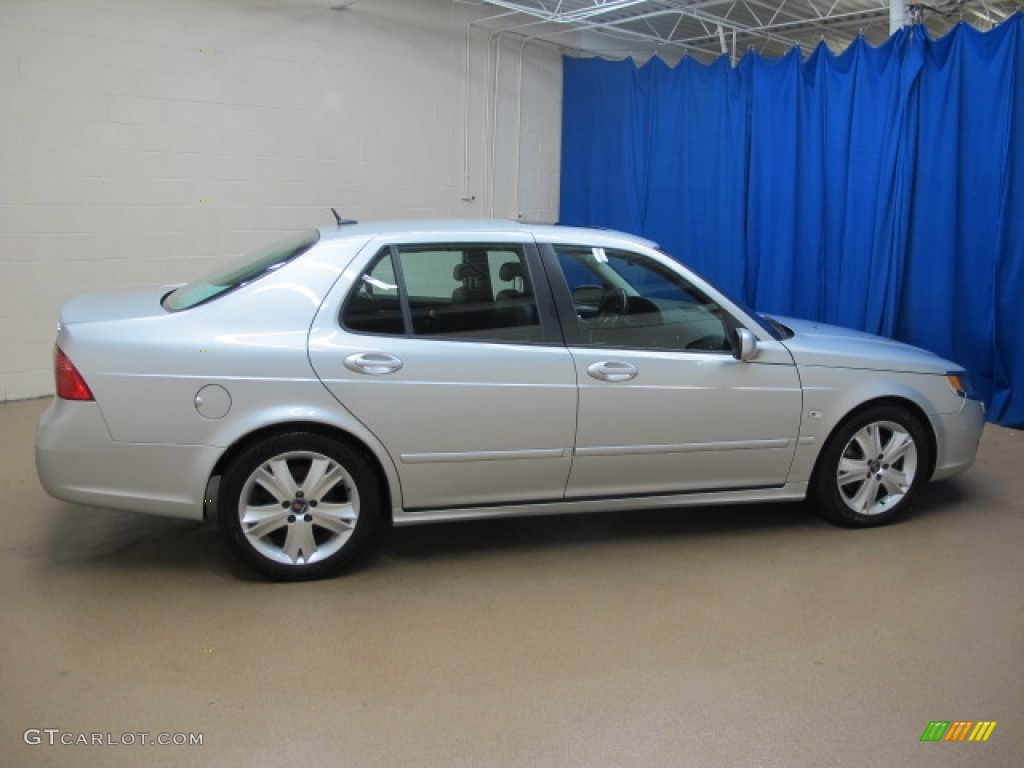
(664,406)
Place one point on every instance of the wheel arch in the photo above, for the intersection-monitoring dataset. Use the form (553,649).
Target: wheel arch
(386,481)
(898,401)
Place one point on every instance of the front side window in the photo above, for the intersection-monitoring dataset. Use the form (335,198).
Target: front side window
(480,292)
(245,270)
(624,299)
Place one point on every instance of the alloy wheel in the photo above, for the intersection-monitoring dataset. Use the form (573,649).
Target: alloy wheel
(298,507)
(877,468)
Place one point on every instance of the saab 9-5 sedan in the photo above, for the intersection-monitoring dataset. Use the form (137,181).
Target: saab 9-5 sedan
(415,372)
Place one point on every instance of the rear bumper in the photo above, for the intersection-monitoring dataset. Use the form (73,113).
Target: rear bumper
(958,437)
(78,462)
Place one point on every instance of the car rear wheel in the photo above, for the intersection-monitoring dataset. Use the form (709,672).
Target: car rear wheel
(872,467)
(298,506)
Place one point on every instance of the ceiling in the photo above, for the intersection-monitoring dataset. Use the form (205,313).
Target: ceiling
(705,29)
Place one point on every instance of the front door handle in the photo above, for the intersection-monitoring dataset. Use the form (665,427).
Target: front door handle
(613,370)
(373,363)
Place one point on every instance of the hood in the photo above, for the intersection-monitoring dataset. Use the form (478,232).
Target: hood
(115,305)
(830,346)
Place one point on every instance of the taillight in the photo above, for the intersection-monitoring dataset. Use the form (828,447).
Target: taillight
(70,384)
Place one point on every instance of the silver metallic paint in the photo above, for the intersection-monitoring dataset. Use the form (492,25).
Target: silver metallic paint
(464,429)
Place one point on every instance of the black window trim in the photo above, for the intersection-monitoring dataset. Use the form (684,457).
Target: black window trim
(567,319)
(403,294)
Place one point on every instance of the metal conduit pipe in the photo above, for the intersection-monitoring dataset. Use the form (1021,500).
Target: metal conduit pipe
(897,16)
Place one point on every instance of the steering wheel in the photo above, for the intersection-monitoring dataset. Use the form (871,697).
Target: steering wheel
(612,307)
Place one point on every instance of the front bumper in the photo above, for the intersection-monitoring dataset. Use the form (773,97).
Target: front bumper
(958,437)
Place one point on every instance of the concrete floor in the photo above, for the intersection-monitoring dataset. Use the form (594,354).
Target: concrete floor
(744,636)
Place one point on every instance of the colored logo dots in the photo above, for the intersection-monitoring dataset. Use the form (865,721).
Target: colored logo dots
(958,730)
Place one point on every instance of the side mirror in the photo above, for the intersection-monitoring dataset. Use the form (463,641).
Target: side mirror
(744,345)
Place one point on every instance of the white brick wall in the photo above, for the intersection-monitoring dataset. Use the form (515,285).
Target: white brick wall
(142,141)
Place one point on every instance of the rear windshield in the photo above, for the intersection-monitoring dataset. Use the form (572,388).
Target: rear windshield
(241,272)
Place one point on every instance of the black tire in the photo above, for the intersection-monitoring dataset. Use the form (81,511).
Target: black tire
(298,506)
(872,467)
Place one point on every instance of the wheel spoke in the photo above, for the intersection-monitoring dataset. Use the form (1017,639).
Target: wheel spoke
(897,447)
(260,521)
(276,478)
(299,543)
(869,441)
(865,497)
(337,518)
(323,475)
(896,483)
(852,471)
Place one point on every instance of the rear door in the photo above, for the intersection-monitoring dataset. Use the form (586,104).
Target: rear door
(449,352)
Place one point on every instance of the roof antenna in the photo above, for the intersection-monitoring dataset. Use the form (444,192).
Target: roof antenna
(342,222)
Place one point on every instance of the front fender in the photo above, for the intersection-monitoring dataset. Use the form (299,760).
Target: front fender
(832,394)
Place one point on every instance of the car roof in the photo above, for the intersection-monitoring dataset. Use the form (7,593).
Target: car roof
(480,226)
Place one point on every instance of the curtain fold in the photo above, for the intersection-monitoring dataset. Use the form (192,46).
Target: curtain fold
(1007,398)
(881,189)
(701,117)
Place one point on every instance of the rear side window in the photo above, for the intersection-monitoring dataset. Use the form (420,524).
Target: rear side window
(245,270)
(478,292)
(375,307)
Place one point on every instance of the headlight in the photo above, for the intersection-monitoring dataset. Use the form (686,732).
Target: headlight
(960,384)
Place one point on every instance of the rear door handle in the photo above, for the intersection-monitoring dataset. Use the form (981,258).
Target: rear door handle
(613,370)
(373,363)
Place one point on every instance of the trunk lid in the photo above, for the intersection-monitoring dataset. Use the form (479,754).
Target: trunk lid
(115,305)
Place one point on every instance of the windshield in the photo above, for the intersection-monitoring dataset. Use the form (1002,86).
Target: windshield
(241,272)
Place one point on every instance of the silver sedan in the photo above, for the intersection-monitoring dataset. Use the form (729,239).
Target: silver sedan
(413,372)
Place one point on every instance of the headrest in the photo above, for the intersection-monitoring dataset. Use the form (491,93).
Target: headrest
(510,270)
(465,271)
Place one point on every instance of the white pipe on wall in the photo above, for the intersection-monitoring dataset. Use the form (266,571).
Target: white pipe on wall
(897,16)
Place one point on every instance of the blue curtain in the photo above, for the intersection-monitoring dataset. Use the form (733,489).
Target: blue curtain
(882,189)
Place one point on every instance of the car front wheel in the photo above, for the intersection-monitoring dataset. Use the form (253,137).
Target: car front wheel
(298,506)
(872,467)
